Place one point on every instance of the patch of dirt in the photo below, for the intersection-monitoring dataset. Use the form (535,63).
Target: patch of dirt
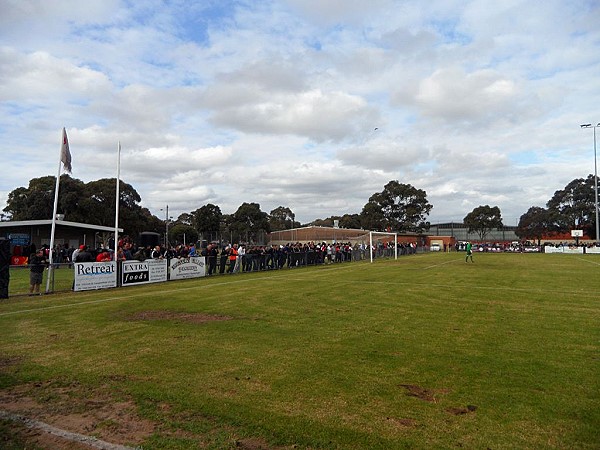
(8,362)
(459,411)
(403,422)
(57,415)
(177,316)
(72,410)
(428,395)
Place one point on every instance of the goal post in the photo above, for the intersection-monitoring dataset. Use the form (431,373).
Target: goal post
(371,233)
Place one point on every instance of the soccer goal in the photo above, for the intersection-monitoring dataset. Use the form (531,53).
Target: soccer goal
(372,233)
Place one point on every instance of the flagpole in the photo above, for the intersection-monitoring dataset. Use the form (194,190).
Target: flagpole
(117,200)
(54,211)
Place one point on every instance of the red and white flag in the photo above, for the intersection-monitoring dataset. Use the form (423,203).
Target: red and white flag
(65,154)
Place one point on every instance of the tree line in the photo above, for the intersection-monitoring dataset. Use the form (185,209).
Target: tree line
(398,207)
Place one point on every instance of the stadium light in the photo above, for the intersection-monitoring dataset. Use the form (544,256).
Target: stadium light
(589,125)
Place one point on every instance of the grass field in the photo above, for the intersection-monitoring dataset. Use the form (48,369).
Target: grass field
(424,352)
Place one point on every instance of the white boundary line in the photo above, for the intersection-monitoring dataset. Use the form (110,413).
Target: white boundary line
(588,261)
(64,434)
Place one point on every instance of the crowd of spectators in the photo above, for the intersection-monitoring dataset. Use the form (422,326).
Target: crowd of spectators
(232,258)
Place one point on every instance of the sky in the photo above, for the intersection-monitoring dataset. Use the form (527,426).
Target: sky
(313,105)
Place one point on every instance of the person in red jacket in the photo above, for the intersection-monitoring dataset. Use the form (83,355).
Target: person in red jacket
(233,254)
(104,256)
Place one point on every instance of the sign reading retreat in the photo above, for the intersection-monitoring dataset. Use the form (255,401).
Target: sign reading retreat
(95,275)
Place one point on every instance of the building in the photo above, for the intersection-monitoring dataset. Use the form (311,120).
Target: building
(24,233)
(446,235)
(334,234)
(460,232)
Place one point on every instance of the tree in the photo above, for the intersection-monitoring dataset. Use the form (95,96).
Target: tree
(248,221)
(281,219)
(185,219)
(399,207)
(37,200)
(34,202)
(372,216)
(350,221)
(17,207)
(99,205)
(345,221)
(182,234)
(483,219)
(207,220)
(536,223)
(574,206)
(92,203)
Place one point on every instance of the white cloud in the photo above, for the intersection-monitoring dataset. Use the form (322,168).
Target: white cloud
(277,102)
(452,94)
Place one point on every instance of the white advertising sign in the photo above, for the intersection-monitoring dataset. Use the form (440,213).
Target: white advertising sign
(183,268)
(143,272)
(570,250)
(95,275)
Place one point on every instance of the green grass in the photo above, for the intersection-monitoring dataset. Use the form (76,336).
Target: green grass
(19,280)
(423,352)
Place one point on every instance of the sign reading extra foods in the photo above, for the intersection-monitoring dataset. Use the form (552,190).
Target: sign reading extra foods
(142,272)
(95,275)
(182,268)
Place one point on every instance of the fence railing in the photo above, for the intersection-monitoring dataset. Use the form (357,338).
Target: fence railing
(62,278)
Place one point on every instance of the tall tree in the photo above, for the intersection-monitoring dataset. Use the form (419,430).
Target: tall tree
(207,220)
(36,201)
(248,222)
(399,206)
(182,234)
(536,223)
(92,203)
(281,219)
(322,222)
(185,219)
(574,206)
(350,221)
(483,219)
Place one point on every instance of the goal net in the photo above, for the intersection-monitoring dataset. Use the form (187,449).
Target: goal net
(383,244)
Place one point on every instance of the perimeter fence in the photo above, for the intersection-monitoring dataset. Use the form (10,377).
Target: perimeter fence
(63,274)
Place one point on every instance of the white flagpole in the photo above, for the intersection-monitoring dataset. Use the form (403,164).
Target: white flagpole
(54,211)
(117,200)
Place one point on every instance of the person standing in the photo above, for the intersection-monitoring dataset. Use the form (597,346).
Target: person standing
(469,252)
(233,253)
(37,264)
(84,255)
(212,258)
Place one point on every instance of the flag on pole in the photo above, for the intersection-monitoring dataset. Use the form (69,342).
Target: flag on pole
(65,159)
(65,154)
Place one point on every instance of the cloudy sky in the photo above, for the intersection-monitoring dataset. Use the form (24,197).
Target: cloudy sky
(309,104)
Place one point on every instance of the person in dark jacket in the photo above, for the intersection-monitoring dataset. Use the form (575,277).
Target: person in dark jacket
(37,264)
(84,255)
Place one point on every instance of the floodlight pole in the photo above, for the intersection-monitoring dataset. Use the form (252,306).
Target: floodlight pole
(589,125)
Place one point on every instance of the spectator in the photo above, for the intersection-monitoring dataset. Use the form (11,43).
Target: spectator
(37,264)
(84,255)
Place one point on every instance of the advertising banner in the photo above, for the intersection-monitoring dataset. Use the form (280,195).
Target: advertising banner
(95,275)
(562,249)
(182,268)
(143,272)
